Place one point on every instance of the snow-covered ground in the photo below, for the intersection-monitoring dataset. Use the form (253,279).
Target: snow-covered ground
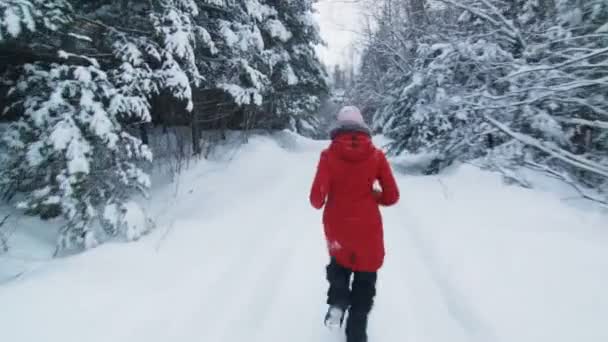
(238,255)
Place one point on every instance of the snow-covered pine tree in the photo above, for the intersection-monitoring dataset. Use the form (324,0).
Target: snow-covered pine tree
(70,150)
(253,62)
(71,153)
(19,17)
(238,70)
(299,80)
(85,84)
(162,35)
(175,23)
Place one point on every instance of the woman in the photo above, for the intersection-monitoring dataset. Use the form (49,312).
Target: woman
(344,185)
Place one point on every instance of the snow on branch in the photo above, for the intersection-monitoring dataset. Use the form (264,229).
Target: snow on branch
(583,122)
(511,30)
(19,16)
(564,177)
(554,151)
(578,59)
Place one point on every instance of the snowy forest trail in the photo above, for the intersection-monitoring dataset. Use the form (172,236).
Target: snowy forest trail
(239,256)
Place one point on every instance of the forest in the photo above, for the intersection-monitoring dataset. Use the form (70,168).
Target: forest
(511,84)
(86,87)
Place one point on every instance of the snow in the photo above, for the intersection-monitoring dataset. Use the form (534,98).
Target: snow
(78,154)
(548,126)
(65,55)
(417,81)
(413,163)
(239,255)
(130,53)
(33,156)
(207,40)
(176,79)
(602,29)
(276,29)
(258,79)
(81,37)
(259,11)
(111,213)
(177,41)
(242,96)
(100,122)
(257,39)
(290,76)
(12,22)
(134,221)
(229,36)
(64,132)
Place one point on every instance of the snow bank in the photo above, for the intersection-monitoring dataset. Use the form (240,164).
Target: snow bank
(296,143)
(412,163)
(513,264)
(405,163)
(30,242)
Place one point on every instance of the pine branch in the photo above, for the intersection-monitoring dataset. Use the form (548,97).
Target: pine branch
(558,66)
(583,122)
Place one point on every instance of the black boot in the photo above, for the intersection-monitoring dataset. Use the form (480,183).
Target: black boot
(356,326)
(361,299)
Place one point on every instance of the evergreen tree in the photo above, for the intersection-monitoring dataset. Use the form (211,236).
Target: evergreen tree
(71,150)
(299,80)
(25,17)
(70,153)
(80,88)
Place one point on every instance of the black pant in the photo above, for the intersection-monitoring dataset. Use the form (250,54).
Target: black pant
(358,299)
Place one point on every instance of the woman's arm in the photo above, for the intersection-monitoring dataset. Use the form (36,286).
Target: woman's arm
(390,190)
(320,185)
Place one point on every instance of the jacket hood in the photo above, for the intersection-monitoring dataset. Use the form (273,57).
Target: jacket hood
(352,146)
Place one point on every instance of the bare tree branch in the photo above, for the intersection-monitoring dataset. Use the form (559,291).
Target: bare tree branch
(554,151)
(568,180)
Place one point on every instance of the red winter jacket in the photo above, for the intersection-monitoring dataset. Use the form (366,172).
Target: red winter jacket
(344,181)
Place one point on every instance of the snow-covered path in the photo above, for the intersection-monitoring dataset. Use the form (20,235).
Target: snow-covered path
(239,256)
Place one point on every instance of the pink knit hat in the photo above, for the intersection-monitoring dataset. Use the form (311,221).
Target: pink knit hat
(349,119)
(351,114)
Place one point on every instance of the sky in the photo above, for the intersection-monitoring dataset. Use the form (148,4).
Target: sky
(338,19)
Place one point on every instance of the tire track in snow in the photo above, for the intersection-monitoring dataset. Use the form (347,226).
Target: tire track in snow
(294,299)
(241,270)
(262,283)
(230,282)
(456,302)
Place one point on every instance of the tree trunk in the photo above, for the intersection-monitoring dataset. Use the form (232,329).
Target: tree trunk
(417,12)
(196,135)
(143,131)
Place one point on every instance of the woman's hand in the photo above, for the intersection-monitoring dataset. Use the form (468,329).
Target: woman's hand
(377,193)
